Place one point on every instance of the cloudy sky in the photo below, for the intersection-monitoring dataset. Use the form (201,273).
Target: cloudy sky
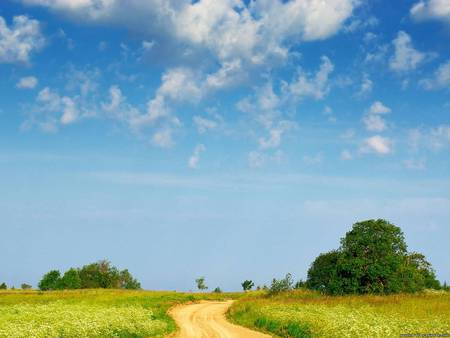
(231,139)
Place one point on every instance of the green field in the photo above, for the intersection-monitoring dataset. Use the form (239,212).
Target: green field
(308,314)
(91,313)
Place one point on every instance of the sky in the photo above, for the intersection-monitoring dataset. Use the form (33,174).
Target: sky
(228,139)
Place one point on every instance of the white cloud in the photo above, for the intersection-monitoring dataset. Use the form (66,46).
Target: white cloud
(203,124)
(28,82)
(20,40)
(377,144)
(316,86)
(372,119)
(440,79)
(275,134)
(265,28)
(366,85)
(163,138)
(405,57)
(379,108)
(195,157)
(431,10)
(374,123)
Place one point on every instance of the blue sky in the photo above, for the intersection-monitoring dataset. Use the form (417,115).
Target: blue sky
(227,139)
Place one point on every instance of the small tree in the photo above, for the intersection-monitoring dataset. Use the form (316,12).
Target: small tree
(300,284)
(217,290)
(3,286)
(127,281)
(25,286)
(201,283)
(71,279)
(247,285)
(50,281)
(281,285)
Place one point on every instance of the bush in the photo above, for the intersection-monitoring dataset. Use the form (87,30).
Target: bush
(25,286)
(373,258)
(281,285)
(217,290)
(3,286)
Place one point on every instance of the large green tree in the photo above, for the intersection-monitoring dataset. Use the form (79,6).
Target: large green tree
(372,258)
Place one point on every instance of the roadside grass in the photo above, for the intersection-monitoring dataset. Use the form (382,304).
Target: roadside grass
(304,313)
(93,313)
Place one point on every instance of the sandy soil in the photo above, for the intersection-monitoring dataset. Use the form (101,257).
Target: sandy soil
(207,320)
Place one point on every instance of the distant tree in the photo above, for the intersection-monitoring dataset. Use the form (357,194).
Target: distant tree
(99,275)
(372,258)
(50,281)
(3,286)
(71,279)
(126,280)
(281,285)
(201,283)
(217,290)
(300,284)
(247,285)
(25,286)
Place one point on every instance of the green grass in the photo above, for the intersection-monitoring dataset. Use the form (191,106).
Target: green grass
(310,314)
(92,313)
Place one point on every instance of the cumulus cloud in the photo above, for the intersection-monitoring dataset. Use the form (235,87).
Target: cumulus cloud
(406,57)
(28,82)
(316,86)
(263,27)
(195,157)
(431,10)
(366,86)
(373,119)
(20,40)
(377,144)
(440,78)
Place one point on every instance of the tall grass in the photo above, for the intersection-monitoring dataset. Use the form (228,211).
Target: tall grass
(310,314)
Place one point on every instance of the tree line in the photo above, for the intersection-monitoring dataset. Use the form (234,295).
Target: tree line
(95,275)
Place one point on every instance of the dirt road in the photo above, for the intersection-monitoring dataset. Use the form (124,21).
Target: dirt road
(207,320)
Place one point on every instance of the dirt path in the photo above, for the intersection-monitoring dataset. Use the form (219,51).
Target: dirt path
(207,320)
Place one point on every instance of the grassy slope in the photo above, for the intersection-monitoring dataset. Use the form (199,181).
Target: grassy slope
(305,314)
(91,313)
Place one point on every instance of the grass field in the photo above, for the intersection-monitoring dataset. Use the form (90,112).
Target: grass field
(91,313)
(308,314)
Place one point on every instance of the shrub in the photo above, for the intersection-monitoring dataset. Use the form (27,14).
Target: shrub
(281,285)
(25,286)
(217,290)
(3,286)
(247,285)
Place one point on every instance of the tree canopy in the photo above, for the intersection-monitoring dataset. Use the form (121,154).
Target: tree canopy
(91,276)
(372,258)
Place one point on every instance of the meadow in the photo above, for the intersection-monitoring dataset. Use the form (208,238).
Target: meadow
(92,313)
(304,313)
